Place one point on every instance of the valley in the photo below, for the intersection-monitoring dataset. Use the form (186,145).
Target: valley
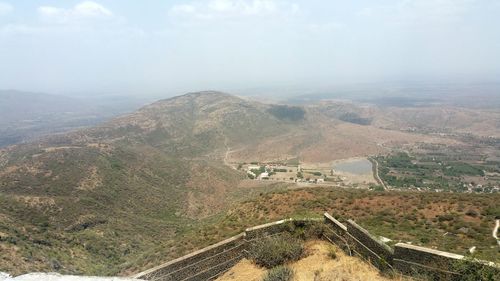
(173,177)
(27,116)
(264,140)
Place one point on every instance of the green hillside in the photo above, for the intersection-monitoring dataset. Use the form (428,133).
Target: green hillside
(152,185)
(92,201)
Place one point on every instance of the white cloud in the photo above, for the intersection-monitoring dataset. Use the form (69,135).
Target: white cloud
(224,9)
(5,8)
(91,9)
(83,11)
(435,10)
(418,12)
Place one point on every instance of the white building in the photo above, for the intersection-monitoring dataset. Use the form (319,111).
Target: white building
(264,176)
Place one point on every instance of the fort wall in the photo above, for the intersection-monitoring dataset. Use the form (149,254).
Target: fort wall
(212,261)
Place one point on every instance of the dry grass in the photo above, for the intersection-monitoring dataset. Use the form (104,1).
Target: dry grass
(244,270)
(317,265)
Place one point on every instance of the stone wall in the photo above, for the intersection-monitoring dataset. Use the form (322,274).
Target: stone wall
(355,240)
(267,229)
(212,261)
(407,259)
(369,247)
(205,264)
(336,233)
(438,265)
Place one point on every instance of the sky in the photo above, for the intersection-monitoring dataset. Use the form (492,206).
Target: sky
(141,47)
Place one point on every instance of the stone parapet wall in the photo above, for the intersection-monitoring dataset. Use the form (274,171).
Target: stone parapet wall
(434,264)
(355,240)
(425,256)
(407,259)
(370,241)
(267,229)
(335,224)
(336,233)
(212,261)
(208,261)
(369,247)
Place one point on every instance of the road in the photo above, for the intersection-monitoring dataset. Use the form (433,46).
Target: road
(375,173)
(495,231)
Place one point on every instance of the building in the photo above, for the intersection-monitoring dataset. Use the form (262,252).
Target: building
(253,167)
(264,176)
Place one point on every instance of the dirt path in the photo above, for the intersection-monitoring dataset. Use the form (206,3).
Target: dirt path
(226,154)
(495,231)
(228,150)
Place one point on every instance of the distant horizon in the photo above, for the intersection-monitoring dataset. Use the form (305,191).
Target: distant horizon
(81,47)
(285,90)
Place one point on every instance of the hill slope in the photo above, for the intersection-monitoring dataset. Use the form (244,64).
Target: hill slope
(89,201)
(114,197)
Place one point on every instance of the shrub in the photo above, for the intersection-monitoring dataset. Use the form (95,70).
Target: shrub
(332,253)
(276,250)
(424,240)
(472,270)
(307,229)
(471,213)
(279,273)
(445,217)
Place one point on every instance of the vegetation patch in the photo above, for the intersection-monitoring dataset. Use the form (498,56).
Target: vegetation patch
(434,220)
(279,273)
(332,253)
(472,270)
(354,118)
(276,250)
(285,112)
(427,169)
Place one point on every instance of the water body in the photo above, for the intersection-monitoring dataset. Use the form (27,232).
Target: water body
(356,166)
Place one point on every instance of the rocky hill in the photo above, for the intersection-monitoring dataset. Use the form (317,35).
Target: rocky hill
(114,198)
(101,195)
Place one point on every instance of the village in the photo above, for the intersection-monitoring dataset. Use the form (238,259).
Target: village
(306,174)
(280,172)
(327,174)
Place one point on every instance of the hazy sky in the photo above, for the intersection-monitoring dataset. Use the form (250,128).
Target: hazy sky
(154,46)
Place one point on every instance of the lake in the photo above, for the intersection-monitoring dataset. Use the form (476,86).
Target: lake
(356,166)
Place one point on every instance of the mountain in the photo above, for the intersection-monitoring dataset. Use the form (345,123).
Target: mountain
(140,188)
(92,200)
(25,116)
